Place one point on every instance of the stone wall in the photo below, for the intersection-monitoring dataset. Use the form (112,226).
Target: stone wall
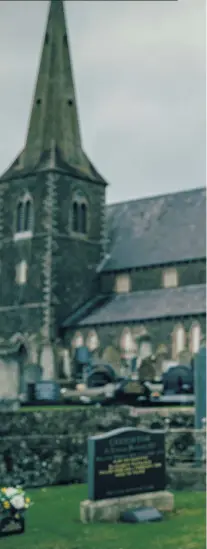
(13,296)
(75,256)
(50,447)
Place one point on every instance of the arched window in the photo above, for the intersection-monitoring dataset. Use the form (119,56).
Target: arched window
(92,341)
(145,348)
(75,217)
(24,217)
(195,337)
(66,363)
(179,337)
(83,218)
(20,217)
(28,215)
(144,345)
(78,340)
(79,214)
(128,345)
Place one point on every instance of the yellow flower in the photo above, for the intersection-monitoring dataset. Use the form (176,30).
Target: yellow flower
(6,504)
(27,500)
(3,490)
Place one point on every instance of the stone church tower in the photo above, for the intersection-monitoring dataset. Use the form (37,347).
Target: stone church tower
(52,204)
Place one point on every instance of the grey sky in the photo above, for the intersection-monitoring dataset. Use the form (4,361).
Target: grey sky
(140,78)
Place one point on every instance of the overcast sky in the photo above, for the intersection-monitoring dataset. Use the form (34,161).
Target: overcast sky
(140,78)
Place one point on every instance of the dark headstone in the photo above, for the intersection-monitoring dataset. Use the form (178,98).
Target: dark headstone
(10,525)
(125,462)
(110,370)
(82,355)
(31,392)
(101,375)
(47,390)
(134,364)
(177,378)
(200,387)
(200,396)
(98,378)
(82,361)
(142,514)
(147,369)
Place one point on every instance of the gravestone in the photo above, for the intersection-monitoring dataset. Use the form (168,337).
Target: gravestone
(112,356)
(200,395)
(47,391)
(11,525)
(125,461)
(144,514)
(177,377)
(133,387)
(82,362)
(82,355)
(147,370)
(200,386)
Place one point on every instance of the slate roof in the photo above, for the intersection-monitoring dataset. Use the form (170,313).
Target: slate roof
(85,310)
(149,305)
(157,230)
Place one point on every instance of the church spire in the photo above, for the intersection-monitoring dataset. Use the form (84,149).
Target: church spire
(54,126)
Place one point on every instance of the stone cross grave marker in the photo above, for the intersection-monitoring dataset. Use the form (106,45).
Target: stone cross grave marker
(126,461)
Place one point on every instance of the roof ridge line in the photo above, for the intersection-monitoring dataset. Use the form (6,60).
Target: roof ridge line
(152,197)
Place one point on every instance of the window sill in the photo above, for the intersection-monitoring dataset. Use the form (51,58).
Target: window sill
(80,236)
(168,286)
(118,292)
(23,235)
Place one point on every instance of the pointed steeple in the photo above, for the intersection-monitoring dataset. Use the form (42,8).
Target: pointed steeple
(54,126)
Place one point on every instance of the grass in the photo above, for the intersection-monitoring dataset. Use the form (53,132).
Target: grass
(53,523)
(69,407)
(49,408)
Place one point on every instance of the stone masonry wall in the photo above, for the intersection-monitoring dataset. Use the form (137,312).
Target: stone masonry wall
(50,447)
(61,265)
(75,256)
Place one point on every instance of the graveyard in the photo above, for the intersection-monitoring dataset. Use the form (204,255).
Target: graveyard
(125,465)
(113,478)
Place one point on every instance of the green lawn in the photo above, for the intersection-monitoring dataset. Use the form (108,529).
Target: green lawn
(53,523)
(49,408)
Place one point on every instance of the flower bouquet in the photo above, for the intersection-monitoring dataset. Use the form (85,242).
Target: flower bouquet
(13,504)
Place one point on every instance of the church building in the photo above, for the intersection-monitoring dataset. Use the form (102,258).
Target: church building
(126,279)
